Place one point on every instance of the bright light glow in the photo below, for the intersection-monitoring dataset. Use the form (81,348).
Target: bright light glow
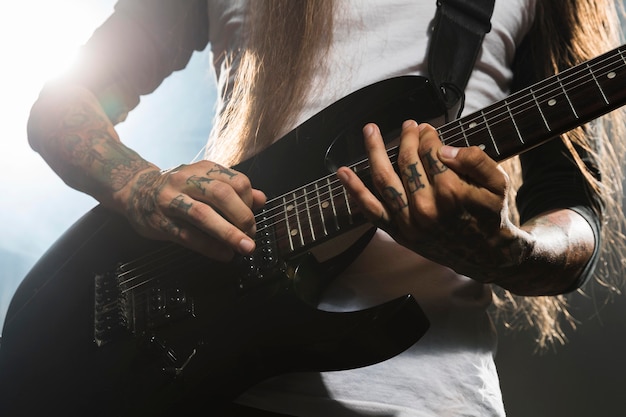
(41,39)
(38,40)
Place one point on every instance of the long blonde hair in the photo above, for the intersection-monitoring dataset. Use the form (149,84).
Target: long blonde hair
(286,38)
(276,67)
(578,30)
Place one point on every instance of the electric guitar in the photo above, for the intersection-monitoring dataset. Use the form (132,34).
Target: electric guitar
(108,323)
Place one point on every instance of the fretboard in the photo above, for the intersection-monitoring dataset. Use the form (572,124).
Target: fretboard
(545,110)
(528,118)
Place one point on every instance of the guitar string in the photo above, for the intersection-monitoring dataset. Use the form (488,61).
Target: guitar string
(454,139)
(565,79)
(563,82)
(544,89)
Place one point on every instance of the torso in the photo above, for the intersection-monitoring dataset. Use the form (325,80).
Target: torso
(373,48)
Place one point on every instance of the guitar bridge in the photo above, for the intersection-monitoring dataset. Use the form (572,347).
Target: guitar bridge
(120,309)
(110,308)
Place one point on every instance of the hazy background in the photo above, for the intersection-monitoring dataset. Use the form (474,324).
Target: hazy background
(587,377)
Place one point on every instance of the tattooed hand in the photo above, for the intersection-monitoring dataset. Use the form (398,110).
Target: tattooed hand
(203,206)
(447,204)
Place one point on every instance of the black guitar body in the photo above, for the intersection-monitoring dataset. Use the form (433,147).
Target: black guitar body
(108,323)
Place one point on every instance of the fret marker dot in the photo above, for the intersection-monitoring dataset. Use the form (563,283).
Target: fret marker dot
(472,125)
(325,204)
(612,75)
(551,102)
(294,232)
(289,207)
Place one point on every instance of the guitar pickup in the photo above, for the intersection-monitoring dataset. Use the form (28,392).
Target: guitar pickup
(165,306)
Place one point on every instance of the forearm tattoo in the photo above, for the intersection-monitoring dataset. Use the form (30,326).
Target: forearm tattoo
(143,196)
(93,159)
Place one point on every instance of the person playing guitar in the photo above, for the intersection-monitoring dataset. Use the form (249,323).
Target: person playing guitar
(453,222)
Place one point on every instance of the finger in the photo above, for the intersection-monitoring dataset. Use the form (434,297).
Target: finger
(384,177)
(258,199)
(228,202)
(235,179)
(486,183)
(371,207)
(209,221)
(216,192)
(475,165)
(190,237)
(409,164)
(429,144)
(197,179)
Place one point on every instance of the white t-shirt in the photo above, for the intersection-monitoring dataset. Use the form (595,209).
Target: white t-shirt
(450,371)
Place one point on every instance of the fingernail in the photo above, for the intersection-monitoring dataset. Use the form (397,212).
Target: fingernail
(369,129)
(449,152)
(342,176)
(409,123)
(246,246)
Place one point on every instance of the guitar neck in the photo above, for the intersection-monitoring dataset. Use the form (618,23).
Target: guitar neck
(547,109)
(323,209)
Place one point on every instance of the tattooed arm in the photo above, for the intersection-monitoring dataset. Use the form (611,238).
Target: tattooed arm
(450,205)
(203,206)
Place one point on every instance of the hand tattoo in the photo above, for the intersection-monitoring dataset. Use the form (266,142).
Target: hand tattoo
(179,204)
(222,170)
(413,178)
(198,182)
(142,200)
(432,166)
(394,199)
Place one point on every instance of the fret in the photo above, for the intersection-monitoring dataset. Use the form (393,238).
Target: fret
(452,132)
(298,231)
(543,116)
(464,133)
(510,113)
(305,219)
(308,214)
(348,207)
(493,140)
(598,84)
(569,101)
(332,202)
(286,210)
(321,205)
(611,79)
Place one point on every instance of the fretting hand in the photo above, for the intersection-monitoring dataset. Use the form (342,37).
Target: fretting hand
(447,204)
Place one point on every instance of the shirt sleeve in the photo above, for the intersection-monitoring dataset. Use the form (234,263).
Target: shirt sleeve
(552,180)
(137,47)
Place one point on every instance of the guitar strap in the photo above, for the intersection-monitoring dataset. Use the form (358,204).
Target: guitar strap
(458,31)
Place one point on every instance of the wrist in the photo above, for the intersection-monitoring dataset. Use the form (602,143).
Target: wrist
(124,199)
